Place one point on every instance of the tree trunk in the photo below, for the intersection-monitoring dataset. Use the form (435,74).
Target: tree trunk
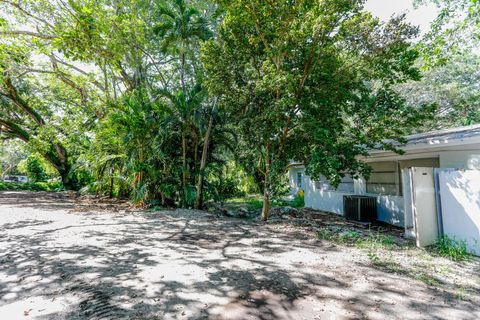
(266,205)
(182,74)
(184,171)
(58,158)
(266,190)
(162,196)
(57,154)
(203,163)
(196,143)
(67,181)
(110,194)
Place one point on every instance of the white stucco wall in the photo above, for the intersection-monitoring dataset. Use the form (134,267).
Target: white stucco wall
(391,209)
(460,159)
(330,201)
(460,199)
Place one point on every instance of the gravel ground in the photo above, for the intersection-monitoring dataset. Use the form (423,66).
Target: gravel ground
(65,259)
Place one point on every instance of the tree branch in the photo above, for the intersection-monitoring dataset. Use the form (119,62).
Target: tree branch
(96,83)
(63,77)
(15,5)
(17,100)
(15,33)
(125,77)
(14,129)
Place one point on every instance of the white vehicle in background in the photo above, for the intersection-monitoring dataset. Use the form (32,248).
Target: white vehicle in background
(10,178)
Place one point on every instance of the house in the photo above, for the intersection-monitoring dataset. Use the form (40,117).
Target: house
(391,180)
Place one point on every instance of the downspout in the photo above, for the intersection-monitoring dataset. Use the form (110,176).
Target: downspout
(438,200)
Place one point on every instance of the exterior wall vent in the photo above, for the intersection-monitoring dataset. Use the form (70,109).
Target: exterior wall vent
(360,208)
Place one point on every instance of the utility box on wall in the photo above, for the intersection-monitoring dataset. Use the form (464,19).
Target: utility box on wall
(360,208)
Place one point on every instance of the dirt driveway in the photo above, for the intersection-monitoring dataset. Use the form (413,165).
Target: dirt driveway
(63,260)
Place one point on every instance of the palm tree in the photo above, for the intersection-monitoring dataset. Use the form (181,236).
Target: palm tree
(181,30)
(183,107)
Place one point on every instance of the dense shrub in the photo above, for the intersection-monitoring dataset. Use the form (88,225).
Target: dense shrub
(31,186)
(37,168)
(451,248)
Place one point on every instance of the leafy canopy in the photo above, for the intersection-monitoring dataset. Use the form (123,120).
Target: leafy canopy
(311,80)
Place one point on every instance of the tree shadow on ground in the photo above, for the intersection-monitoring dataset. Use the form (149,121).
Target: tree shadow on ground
(178,266)
(51,201)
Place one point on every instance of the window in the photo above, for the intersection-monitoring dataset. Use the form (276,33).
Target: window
(299,179)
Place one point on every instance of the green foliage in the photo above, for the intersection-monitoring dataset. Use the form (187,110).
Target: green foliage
(32,186)
(250,202)
(36,168)
(224,188)
(177,102)
(451,248)
(426,278)
(297,202)
(375,259)
(376,240)
(310,81)
(453,88)
(12,152)
(456,30)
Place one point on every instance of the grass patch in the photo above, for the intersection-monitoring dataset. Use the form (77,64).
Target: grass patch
(451,248)
(297,202)
(31,186)
(380,251)
(348,237)
(387,265)
(426,278)
(376,240)
(363,240)
(461,294)
(251,202)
